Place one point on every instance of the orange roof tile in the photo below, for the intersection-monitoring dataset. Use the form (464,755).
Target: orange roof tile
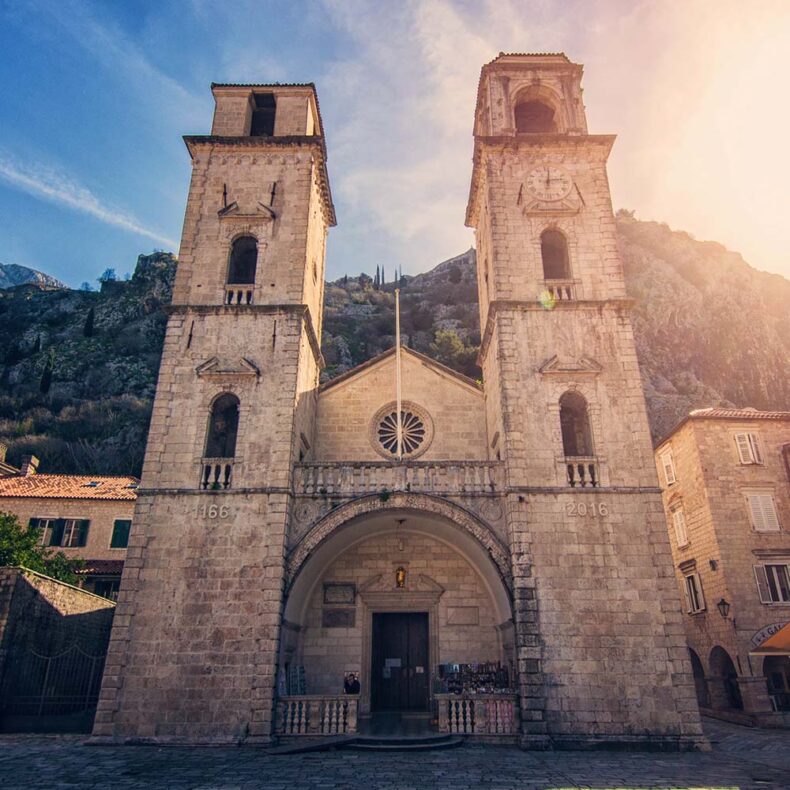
(69,487)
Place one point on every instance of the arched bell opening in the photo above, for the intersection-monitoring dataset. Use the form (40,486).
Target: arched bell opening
(376,588)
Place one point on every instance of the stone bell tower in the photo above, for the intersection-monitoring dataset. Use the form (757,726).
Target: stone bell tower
(195,638)
(601,651)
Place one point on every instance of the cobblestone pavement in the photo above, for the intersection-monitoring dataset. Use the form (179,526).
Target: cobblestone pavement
(741,758)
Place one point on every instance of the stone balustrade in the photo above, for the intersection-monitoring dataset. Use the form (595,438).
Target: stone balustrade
(582,471)
(316,715)
(238,294)
(216,473)
(346,478)
(560,290)
(478,714)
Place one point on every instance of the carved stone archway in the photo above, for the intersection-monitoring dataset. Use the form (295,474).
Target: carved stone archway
(447,511)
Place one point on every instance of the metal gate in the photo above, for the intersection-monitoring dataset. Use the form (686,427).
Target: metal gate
(56,693)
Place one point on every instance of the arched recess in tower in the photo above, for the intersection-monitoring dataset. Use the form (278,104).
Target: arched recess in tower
(404,561)
(243,261)
(554,254)
(223,427)
(575,425)
(535,116)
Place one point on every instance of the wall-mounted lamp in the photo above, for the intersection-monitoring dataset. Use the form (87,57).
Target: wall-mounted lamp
(724,607)
(400,577)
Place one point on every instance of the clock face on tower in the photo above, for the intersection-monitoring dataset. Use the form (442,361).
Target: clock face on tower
(547,182)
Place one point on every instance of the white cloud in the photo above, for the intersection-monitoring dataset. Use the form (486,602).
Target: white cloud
(44,182)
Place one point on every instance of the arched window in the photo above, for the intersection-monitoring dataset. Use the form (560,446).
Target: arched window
(575,424)
(535,116)
(554,252)
(223,427)
(243,261)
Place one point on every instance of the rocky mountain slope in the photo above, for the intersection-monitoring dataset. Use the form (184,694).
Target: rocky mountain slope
(79,368)
(12,274)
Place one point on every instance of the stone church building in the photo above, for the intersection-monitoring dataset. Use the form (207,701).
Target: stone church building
(509,575)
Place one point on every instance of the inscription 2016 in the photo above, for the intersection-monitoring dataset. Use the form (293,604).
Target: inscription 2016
(587,509)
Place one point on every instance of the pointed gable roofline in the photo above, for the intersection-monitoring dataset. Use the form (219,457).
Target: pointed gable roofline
(390,352)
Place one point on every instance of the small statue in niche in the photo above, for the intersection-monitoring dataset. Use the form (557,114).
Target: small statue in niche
(400,577)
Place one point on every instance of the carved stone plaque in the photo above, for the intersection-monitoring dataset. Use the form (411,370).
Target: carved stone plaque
(338,618)
(340,593)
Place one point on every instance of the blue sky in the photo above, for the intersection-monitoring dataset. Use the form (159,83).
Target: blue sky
(96,96)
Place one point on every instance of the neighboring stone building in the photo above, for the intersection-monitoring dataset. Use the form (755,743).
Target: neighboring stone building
(82,516)
(508,572)
(726,480)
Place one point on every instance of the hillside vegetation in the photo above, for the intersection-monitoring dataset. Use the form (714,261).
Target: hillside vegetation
(79,368)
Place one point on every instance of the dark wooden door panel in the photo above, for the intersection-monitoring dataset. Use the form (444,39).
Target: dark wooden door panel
(400,671)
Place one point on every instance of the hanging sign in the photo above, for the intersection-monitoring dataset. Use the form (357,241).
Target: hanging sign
(766,632)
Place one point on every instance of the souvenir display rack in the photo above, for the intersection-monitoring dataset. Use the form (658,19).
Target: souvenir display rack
(488,677)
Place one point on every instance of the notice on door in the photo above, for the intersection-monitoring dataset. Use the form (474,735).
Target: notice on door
(392,663)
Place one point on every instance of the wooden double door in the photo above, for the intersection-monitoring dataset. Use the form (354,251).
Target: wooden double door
(400,671)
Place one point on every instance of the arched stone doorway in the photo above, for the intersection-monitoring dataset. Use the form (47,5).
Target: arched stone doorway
(404,563)
(700,684)
(724,690)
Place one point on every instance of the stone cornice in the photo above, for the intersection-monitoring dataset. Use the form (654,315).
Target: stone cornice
(522,306)
(300,310)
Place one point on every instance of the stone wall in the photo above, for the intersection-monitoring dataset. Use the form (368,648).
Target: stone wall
(41,613)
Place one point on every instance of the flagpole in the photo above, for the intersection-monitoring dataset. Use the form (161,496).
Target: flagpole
(398,407)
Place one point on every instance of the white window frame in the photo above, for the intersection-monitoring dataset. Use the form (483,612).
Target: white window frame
(766,572)
(762,510)
(679,523)
(668,466)
(749,448)
(695,598)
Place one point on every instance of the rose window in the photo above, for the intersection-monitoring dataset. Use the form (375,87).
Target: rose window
(414,432)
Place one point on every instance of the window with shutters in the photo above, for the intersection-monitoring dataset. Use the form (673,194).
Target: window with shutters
(120,533)
(75,533)
(762,511)
(47,527)
(749,450)
(679,522)
(773,582)
(695,600)
(668,465)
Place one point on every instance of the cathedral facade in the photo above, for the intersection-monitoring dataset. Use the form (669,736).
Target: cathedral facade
(489,558)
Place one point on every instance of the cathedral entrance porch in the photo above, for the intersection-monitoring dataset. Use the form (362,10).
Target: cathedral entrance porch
(403,621)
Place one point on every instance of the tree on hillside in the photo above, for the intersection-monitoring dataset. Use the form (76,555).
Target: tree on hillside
(450,350)
(376,280)
(46,375)
(88,326)
(86,286)
(108,275)
(22,546)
